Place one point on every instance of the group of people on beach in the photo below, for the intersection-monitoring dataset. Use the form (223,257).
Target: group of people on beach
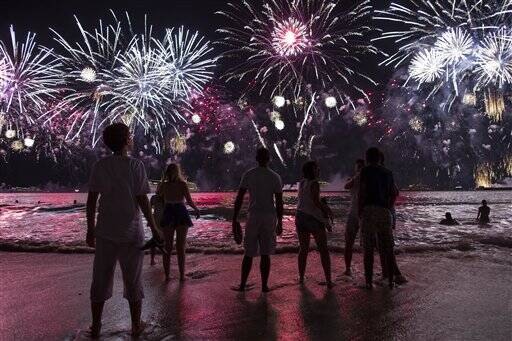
(121,185)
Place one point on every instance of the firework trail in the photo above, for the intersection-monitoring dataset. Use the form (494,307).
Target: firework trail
(284,47)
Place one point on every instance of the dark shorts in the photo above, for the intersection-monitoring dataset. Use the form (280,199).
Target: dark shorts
(175,215)
(307,223)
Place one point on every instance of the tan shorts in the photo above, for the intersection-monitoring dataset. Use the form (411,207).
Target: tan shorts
(376,226)
(260,235)
(130,259)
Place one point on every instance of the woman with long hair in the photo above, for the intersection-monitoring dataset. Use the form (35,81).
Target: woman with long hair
(175,218)
(313,218)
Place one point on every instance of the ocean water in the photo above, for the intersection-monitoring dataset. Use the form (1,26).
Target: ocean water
(50,222)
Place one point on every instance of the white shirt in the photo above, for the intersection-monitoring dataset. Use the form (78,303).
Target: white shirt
(119,179)
(305,201)
(262,183)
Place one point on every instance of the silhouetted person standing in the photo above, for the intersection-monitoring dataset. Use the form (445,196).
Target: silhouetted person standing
(122,186)
(376,195)
(265,218)
(352,226)
(483,213)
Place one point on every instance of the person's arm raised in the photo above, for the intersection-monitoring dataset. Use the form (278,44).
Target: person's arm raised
(92,199)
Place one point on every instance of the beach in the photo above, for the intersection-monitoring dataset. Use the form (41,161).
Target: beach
(453,295)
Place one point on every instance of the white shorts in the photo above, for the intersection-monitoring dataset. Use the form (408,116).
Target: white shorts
(130,258)
(260,235)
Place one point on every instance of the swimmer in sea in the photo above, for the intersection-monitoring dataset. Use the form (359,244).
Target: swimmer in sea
(483,213)
(448,220)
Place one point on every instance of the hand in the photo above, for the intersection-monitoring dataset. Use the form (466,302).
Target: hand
(90,240)
(279,227)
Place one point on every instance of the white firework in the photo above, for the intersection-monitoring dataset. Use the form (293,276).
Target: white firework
(494,59)
(29,78)
(229,147)
(426,66)
(88,75)
(188,61)
(139,88)
(454,45)
(279,101)
(331,102)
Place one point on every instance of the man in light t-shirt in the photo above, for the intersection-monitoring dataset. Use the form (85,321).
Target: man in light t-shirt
(122,186)
(265,218)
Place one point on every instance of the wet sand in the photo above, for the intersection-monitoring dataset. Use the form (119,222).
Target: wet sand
(450,296)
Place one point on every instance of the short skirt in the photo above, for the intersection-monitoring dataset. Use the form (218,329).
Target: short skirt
(174,215)
(307,223)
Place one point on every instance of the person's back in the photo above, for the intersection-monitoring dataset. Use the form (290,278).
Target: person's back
(305,201)
(265,218)
(173,191)
(119,179)
(483,213)
(377,186)
(261,183)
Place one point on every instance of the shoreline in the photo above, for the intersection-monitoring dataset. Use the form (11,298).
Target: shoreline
(443,300)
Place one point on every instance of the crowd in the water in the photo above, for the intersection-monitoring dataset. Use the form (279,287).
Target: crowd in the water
(118,194)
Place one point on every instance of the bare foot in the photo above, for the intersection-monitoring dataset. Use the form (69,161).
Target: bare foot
(139,328)
(242,288)
(95,331)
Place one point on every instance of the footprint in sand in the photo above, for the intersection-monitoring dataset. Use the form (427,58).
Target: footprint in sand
(152,331)
(198,274)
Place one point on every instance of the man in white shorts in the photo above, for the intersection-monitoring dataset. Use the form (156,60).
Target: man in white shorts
(265,218)
(122,186)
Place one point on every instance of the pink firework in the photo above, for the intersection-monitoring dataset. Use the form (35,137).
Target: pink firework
(290,38)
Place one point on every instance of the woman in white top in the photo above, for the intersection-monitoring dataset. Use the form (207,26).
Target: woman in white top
(312,218)
(174,191)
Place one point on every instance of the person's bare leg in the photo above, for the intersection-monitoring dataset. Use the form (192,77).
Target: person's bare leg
(321,243)
(169,240)
(97,312)
(153,252)
(265,272)
(246,270)
(303,254)
(349,250)
(181,240)
(135,312)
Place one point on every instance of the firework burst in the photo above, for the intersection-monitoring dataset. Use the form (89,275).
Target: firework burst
(188,61)
(449,44)
(116,74)
(286,46)
(29,79)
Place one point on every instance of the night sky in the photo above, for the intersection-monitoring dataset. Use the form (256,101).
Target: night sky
(37,16)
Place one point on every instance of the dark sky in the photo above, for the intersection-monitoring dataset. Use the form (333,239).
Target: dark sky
(38,15)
